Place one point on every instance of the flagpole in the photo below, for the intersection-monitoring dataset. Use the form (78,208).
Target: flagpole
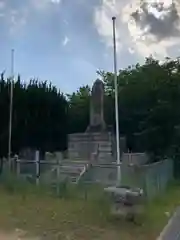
(11,107)
(116,104)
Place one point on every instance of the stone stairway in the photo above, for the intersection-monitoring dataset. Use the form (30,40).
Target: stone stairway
(82,146)
(94,147)
(72,170)
(105,151)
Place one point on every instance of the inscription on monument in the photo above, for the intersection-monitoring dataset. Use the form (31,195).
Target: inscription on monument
(97,97)
(97,104)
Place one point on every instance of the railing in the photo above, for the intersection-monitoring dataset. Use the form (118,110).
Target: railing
(56,165)
(94,155)
(85,169)
(153,178)
(87,166)
(38,164)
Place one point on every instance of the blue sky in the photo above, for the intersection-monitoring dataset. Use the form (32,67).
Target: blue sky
(66,41)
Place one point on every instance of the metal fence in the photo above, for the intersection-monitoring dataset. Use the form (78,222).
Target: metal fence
(177,168)
(152,178)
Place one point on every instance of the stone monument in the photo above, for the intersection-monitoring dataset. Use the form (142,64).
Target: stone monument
(97,140)
(97,122)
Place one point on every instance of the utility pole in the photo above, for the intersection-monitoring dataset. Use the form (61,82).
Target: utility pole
(116,104)
(11,107)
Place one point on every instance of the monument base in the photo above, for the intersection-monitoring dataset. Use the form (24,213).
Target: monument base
(84,145)
(97,128)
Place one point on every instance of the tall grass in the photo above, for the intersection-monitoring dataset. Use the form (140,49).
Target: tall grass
(81,211)
(14,184)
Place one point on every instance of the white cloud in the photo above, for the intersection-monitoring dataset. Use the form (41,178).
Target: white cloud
(17,20)
(131,50)
(2,5)
(42,5)
(65,22)
(129,35)
(103,20)
(56,1)
(17,17)
(65,41)
(145,43)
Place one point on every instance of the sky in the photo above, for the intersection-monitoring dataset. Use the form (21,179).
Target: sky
(67,41)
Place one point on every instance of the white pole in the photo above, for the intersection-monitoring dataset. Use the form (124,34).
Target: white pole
(11,107)
(116,104)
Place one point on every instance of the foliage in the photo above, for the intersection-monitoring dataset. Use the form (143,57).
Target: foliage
(76,218)
(39,116)
(149,97)
(78,111)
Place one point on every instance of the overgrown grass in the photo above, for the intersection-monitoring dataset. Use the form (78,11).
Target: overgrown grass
(78,213)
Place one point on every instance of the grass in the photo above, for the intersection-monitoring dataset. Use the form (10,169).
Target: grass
(79,216)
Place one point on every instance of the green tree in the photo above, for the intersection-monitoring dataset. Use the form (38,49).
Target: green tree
(39,116)
(78,111)
(148,103)
(149,116)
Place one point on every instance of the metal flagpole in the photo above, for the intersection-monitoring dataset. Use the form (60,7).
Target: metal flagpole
(11,107)
(116,104)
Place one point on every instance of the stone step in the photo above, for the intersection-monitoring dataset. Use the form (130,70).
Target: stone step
(90,138)
(103,154)
(75,161)
(69,174)
(78,159)
(86,149)
(72,169)
(74,164)
(105,157)
(69,169)
(105,143)
(105,149)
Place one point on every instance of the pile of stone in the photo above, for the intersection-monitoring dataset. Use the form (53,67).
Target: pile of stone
(126,202)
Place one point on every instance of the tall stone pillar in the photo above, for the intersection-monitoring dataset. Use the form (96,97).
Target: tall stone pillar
(97,122)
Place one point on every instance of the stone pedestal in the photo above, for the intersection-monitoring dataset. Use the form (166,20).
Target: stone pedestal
(98,142)
(83,145)
(91,145)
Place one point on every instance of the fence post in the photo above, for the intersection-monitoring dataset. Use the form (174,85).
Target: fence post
(37,162)
(59,158)
(1,165)
(18,166)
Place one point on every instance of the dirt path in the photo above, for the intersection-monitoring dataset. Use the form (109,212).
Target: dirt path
(16,235)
